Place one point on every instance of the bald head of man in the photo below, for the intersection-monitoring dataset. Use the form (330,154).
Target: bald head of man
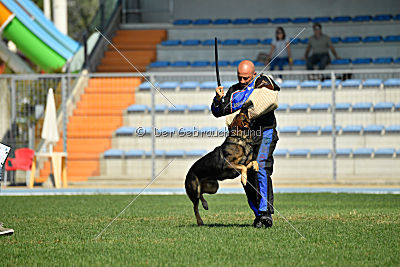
(246,72)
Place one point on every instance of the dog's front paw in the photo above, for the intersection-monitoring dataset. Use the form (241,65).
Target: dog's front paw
(255,166)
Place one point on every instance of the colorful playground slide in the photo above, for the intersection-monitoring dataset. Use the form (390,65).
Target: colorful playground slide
(22,22)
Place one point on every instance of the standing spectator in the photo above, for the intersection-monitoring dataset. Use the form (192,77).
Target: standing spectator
(320,45)
(280,49)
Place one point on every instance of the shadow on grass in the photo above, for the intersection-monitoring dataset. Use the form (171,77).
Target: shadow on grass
(219,225)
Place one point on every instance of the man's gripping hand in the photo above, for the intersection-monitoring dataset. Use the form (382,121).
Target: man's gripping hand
(219,92)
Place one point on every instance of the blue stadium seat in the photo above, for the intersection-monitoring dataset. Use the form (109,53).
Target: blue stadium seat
(299,152)
(304,41)
(299,107)
(282,107)
(364,60)
(137,108)
(169,85)
(301,20)
(397,61)
(341,19)
(125,130)
(158,153)
(227,84)
(321,19)
(160,108)
(335,40)
(180,64)
(362,18)
(320,106)
(383,106)
(310,129)
(392,129)
(384,17)
(351,83)
(258,64)
(281,152)
(320,152)
(352,129)
(251,42)
(295,41)
(209,42)
(231,42)
(299,62)
(241,21)
(372,39)
(182,22)
(363,152)
(266,41)
(188,85)
(328,83)
(200,63)
(392,82)
(281,20)
(352,39)
(328,129)
(342,106)
(343,61)
(196,153)
(235,63)
(221,63)
(198,108)
(373,129)
(145,86)
(385,152)
(310,84)
(200,22)
(344,152)
(193,42)
(383,60)
(208,85)
(159,64)
(362,106)
(178,153)
(177,108)
(289,129)
(397,106)
(222,21)
(372,83)
(397,17)
(392,38)
(261,21)
(134,153)
(114,153)
(290,84)
(171,43)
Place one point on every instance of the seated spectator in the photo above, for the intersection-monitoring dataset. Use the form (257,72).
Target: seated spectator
(280,53)
(320,45)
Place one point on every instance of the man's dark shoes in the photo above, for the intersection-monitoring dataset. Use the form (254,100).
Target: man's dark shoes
(257,222)
(266,220)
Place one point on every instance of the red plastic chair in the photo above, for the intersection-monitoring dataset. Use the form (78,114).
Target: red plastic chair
(22,161)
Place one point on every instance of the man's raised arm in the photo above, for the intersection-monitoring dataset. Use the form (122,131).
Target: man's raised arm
(221,104)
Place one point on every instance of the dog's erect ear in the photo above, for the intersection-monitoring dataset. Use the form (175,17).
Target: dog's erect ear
(245,110)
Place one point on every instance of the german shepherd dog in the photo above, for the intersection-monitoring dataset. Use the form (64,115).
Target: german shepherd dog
(227,161)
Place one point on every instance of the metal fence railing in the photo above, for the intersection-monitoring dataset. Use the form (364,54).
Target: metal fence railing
(328,124)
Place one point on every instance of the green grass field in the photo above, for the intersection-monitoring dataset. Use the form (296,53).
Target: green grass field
(340,229)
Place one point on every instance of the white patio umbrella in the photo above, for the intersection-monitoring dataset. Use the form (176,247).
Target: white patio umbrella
(50,131)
